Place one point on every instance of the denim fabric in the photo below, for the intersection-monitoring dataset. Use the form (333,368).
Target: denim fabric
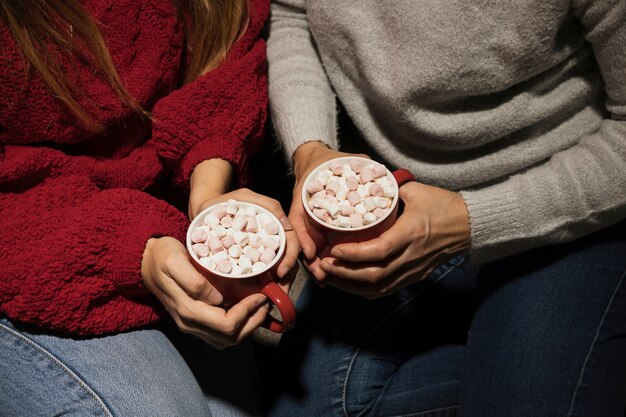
(539,334)
(135,374)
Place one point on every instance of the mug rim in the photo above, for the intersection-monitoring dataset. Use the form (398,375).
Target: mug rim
(304,195)
(194,225)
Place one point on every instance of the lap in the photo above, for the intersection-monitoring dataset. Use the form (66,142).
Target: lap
(545,337)
(139,373)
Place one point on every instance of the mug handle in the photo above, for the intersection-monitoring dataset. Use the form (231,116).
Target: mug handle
(402,176)
(282,301)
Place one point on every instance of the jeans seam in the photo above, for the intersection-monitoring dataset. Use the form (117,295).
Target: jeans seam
(356,353)
(63,367)
(593,343)
(423,413)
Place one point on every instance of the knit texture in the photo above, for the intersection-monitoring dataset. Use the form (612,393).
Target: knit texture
(75,214)
(518,104)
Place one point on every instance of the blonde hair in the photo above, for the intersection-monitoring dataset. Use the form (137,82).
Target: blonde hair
(44,29)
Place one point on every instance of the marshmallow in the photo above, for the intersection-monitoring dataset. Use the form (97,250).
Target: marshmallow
(239,222)
(236,269)
(356,220)
(271,228)
(344,221)
(231,207)
(215,244)
(219,231)
(254,240)
(314,186)
(369,218)
(267,256)
(251,224)
(367,174)
(211,221)
(354,198)
(333,209)
(363,192)
(250,211)
(342,193)
(226,221)
(321,214)
(251,253)
(219,211)
(228,241)
(336,167)
(323,176)
(379,170)
(235,251)
(240,212)
(208,263)
(220,256)
(369,204)
(201,250)
(355,165)
(352,183)
(240,238)
(347,210)
(245,263)
(258,267)
(376,190)
(360,209)
(200,235)
(272,243)
(379,212)
(225,266)
(389,191)
(382,202)
(332,187)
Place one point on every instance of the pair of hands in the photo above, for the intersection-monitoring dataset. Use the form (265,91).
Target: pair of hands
(432,229)
(188,297)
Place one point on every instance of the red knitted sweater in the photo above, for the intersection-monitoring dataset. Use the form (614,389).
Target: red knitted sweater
(75,214)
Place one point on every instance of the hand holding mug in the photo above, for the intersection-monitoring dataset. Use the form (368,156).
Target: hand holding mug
(192,301)
(432,229)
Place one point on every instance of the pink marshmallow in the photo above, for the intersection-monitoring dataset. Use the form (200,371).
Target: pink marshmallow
(201,250)
(267,256)
(352,183)
(367,175)
(347,210)
(271,228)
(215,244)
(379,212)
(332,187)
(379,170)
(226,221)
(252,253)
(376,190)
(225,267)
(228,241)
(321,214)
(356,220)
(336,167)
(354,198)
(319,194)
(219,211)
(271,243)
(252,226)
(314,186)
(355,165)
(199,236)
(239,222)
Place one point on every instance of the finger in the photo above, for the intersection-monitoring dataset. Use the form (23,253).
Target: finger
(315,269)
(194,283)
(292,251)
(392,241)
(370,272)
(253,322)
(296,216)
(287,281)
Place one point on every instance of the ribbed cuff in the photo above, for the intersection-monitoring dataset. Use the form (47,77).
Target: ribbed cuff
(496,223)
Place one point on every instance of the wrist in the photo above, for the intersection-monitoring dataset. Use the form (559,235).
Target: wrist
(306,153)
(211,177)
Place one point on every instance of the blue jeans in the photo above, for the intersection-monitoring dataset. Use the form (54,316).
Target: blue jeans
(538,334)
(136,374)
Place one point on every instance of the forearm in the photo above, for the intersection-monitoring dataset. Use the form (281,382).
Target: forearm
(209,179)
(302,102)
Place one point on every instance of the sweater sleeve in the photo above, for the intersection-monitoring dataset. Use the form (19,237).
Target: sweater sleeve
(220,114)
(577,191)
(70,253)
(302,102)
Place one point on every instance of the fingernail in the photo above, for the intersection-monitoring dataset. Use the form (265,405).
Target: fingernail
(337,253)
(215,298)
(286,223)
(258,301)
(325,265)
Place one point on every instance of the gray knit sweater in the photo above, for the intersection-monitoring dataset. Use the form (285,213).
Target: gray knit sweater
(518,104)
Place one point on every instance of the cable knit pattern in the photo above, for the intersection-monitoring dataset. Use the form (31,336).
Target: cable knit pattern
(75,217)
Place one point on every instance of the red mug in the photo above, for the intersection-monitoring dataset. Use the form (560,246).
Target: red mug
(325,235)
(235,287)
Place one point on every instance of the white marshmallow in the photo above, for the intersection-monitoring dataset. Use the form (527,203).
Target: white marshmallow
(250,211)
(344,221)
(362,190)
(382,202)
(334,209)
(231,207)
(211,220)
(220,256)
(369,218)
(259,267)
(239,222)
(360,209)
(241,238)
(369,204)
(219,231)
(389,191)
(245,264)
(254,240)
(235,251)
(323,176)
